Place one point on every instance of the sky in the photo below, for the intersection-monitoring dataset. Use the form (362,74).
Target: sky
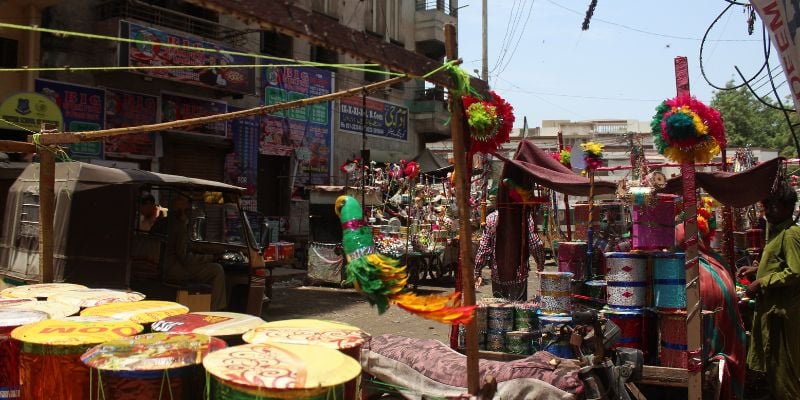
(621,68)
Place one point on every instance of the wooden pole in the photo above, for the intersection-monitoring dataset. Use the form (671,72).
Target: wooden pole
(567,216)
(694,339)
(47,179)
(464,227)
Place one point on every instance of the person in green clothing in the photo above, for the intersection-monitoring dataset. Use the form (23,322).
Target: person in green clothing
(775,334)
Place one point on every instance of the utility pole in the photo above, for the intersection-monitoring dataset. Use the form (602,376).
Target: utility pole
(485,39)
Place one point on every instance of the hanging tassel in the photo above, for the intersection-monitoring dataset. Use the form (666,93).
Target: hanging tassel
(589,14)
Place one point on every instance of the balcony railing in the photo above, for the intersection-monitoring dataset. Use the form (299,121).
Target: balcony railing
(141,11)
(441,5)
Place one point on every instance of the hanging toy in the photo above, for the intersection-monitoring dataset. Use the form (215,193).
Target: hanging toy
(686,130)
(490,122)
(412,170)
(382,280)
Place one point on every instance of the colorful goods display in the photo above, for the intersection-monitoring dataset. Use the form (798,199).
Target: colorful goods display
(518,342)
(50,365)
(462,338)
(686,130)
(85,298)
(482,317)
(224,325)
(53,309)
(143,312)
(333,335)
(382,280)
(554,292)
(279,371)
(626,280)
(669,281)
(151,366)
(572,258)
(592,155)
(39,290)
(554,341)
(500,317)
(654,223)
(10,349)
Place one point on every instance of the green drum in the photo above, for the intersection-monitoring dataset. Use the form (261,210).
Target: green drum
(525,317)
(518,342)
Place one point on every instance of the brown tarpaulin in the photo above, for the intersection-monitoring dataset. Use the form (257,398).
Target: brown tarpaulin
(530,165)
(734,189)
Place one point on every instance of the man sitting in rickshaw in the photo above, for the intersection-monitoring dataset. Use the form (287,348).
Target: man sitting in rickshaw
(181,264)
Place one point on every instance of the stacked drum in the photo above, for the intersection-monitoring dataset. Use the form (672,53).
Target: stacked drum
(504,326)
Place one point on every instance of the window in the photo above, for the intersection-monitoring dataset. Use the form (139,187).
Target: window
(277,44)
(322,55)
(28,228)
(8,53)
(217,223)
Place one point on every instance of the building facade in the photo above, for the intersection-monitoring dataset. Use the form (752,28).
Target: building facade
(276,157)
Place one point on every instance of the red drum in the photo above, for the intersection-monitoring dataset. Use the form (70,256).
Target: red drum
(672,330)
(755,239)
(581,213)
(572,258)
(635,331)
(654,223)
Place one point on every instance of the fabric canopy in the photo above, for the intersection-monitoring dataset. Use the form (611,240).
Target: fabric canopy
(533,165)
(734,189)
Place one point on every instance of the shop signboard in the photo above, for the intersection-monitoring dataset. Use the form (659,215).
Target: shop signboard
(124,109)
(384,119)
(83,109)
(305,132)
(213,69)
(241,165)
(29,111)
(176,107)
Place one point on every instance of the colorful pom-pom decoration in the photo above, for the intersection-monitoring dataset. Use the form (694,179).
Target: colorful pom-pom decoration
(490,122)
(592,155)
(686,130)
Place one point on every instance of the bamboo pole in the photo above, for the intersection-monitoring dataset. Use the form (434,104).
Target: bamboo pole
(694,339)
(47,178)
(464,228)
(88,136)
(11,146)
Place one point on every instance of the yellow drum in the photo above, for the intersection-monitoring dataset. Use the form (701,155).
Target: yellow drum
(85,298)
(279,371)
(142,312)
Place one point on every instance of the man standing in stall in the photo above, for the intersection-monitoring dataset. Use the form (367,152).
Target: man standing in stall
(775,334)
(485,257)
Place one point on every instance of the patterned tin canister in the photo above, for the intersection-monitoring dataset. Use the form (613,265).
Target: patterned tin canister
(631,323)
(500,317)
(525,319)
(554,291)
(496,340)
(518,342)
(626,280)
(669,281)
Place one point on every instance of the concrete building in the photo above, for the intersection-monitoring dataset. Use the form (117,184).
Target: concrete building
(274,157)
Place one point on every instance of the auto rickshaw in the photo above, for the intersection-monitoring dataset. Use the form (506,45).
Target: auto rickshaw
(98,241)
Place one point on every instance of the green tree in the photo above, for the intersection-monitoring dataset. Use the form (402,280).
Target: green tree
(749,122)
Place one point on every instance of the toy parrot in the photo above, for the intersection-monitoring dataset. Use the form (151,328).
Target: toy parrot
(517,193)
(382,280)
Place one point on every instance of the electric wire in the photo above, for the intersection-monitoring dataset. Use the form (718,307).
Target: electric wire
(509,36)
(519,38)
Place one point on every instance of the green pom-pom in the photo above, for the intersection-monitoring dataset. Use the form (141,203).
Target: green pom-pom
(681,127)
